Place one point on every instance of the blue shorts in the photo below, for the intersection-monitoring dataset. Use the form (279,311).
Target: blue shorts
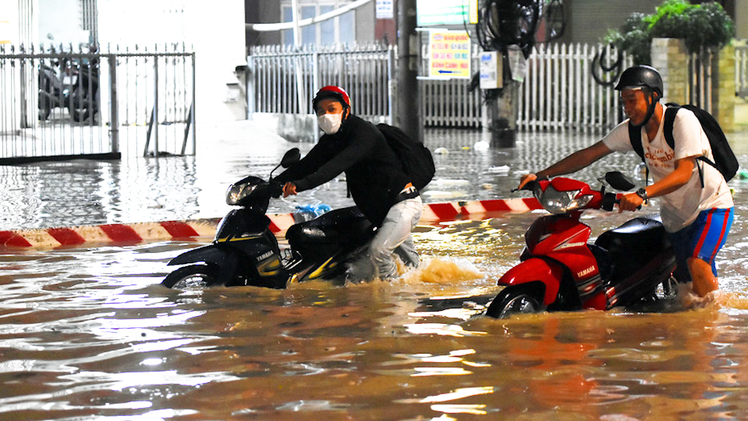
(702,239)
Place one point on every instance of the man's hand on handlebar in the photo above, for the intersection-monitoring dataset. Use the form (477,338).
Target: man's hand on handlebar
(526,179)
(289,189)
(630,202)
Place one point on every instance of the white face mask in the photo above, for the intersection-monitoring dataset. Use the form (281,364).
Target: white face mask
(330,123)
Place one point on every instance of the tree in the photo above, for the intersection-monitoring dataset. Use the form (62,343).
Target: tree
(705,26)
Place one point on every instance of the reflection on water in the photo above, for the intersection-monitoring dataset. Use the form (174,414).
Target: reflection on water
(89,334)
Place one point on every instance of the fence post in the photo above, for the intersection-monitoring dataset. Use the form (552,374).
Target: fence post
(250,87)
(193,106)
(390,88)
(155,106)
(724,87)
(113,110)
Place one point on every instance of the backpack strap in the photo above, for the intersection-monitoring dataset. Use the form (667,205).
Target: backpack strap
(669,119)
(635,137)
(667,131)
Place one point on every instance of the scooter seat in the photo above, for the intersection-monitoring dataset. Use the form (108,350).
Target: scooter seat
(337,227)
(635,242)
(635,232)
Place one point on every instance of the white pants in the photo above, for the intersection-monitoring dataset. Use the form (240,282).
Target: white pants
(392,237)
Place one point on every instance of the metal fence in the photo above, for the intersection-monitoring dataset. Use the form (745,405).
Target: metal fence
(559,91)
(282,80)
(450,102)
(61,104)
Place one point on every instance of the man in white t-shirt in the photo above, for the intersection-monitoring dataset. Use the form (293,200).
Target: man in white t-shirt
(696,218)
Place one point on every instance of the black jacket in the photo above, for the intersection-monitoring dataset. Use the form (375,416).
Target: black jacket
(374,173)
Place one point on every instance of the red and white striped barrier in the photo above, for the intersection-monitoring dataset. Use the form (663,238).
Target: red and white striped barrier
(109,233)
(167,230)
(479,209)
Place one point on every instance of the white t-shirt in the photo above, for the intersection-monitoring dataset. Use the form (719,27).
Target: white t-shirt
(681,207)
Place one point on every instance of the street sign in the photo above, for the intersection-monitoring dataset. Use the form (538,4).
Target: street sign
(491,70)
(385,9)
(449,54)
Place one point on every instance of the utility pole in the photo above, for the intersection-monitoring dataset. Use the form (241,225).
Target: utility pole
(301,95)
(407,95)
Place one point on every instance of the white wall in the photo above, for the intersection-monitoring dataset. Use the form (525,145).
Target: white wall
(218,35)
(8,21)
(214,29)
(60,23)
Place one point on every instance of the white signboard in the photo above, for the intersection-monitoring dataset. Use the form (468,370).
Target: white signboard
(385,9)
(491,76)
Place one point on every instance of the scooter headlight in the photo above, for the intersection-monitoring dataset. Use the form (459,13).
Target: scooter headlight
(237,192)
(559,202)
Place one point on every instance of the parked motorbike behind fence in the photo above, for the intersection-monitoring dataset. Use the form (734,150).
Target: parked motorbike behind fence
(69,85)
(561,270)
(246,252)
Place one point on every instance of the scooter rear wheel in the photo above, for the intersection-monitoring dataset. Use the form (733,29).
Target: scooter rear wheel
(191,277)
(515,299)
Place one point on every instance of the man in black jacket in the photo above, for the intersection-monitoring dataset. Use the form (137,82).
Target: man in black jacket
(376,179)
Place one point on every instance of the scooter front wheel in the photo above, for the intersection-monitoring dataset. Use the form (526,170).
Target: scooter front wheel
(192,277)
(514,299)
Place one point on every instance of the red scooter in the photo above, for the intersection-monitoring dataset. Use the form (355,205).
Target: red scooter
(561,270)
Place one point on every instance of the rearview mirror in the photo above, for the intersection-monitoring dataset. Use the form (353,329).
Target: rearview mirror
(618,181)
(291,157)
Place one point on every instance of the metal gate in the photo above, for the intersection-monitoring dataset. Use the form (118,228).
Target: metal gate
(60,104)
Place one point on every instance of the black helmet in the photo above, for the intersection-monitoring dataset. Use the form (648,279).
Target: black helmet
(641,76)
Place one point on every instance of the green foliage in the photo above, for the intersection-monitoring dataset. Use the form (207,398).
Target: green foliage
(701,26)
(670,20)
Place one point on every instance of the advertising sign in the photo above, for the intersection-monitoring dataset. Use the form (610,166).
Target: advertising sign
(449,54)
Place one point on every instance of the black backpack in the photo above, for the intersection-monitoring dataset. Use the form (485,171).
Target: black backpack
(416,158)
(724,158)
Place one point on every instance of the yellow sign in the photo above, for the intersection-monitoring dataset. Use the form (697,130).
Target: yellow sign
(449,54)
(473,11)
(4,32)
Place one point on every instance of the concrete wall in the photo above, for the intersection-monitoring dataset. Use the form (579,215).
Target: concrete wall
(670,58)
(741,19)
(589,20)
(366,23)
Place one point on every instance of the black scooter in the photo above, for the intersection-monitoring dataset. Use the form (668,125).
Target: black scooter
(73,86)
(246,252)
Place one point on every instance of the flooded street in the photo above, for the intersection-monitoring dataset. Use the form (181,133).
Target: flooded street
(87,333)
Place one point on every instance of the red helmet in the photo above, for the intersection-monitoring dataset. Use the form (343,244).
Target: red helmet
(334,92)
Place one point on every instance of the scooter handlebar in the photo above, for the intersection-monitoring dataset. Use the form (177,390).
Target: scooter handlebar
(276,189)
(610,200)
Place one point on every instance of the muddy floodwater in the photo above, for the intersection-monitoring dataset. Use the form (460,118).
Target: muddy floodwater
(87,333)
